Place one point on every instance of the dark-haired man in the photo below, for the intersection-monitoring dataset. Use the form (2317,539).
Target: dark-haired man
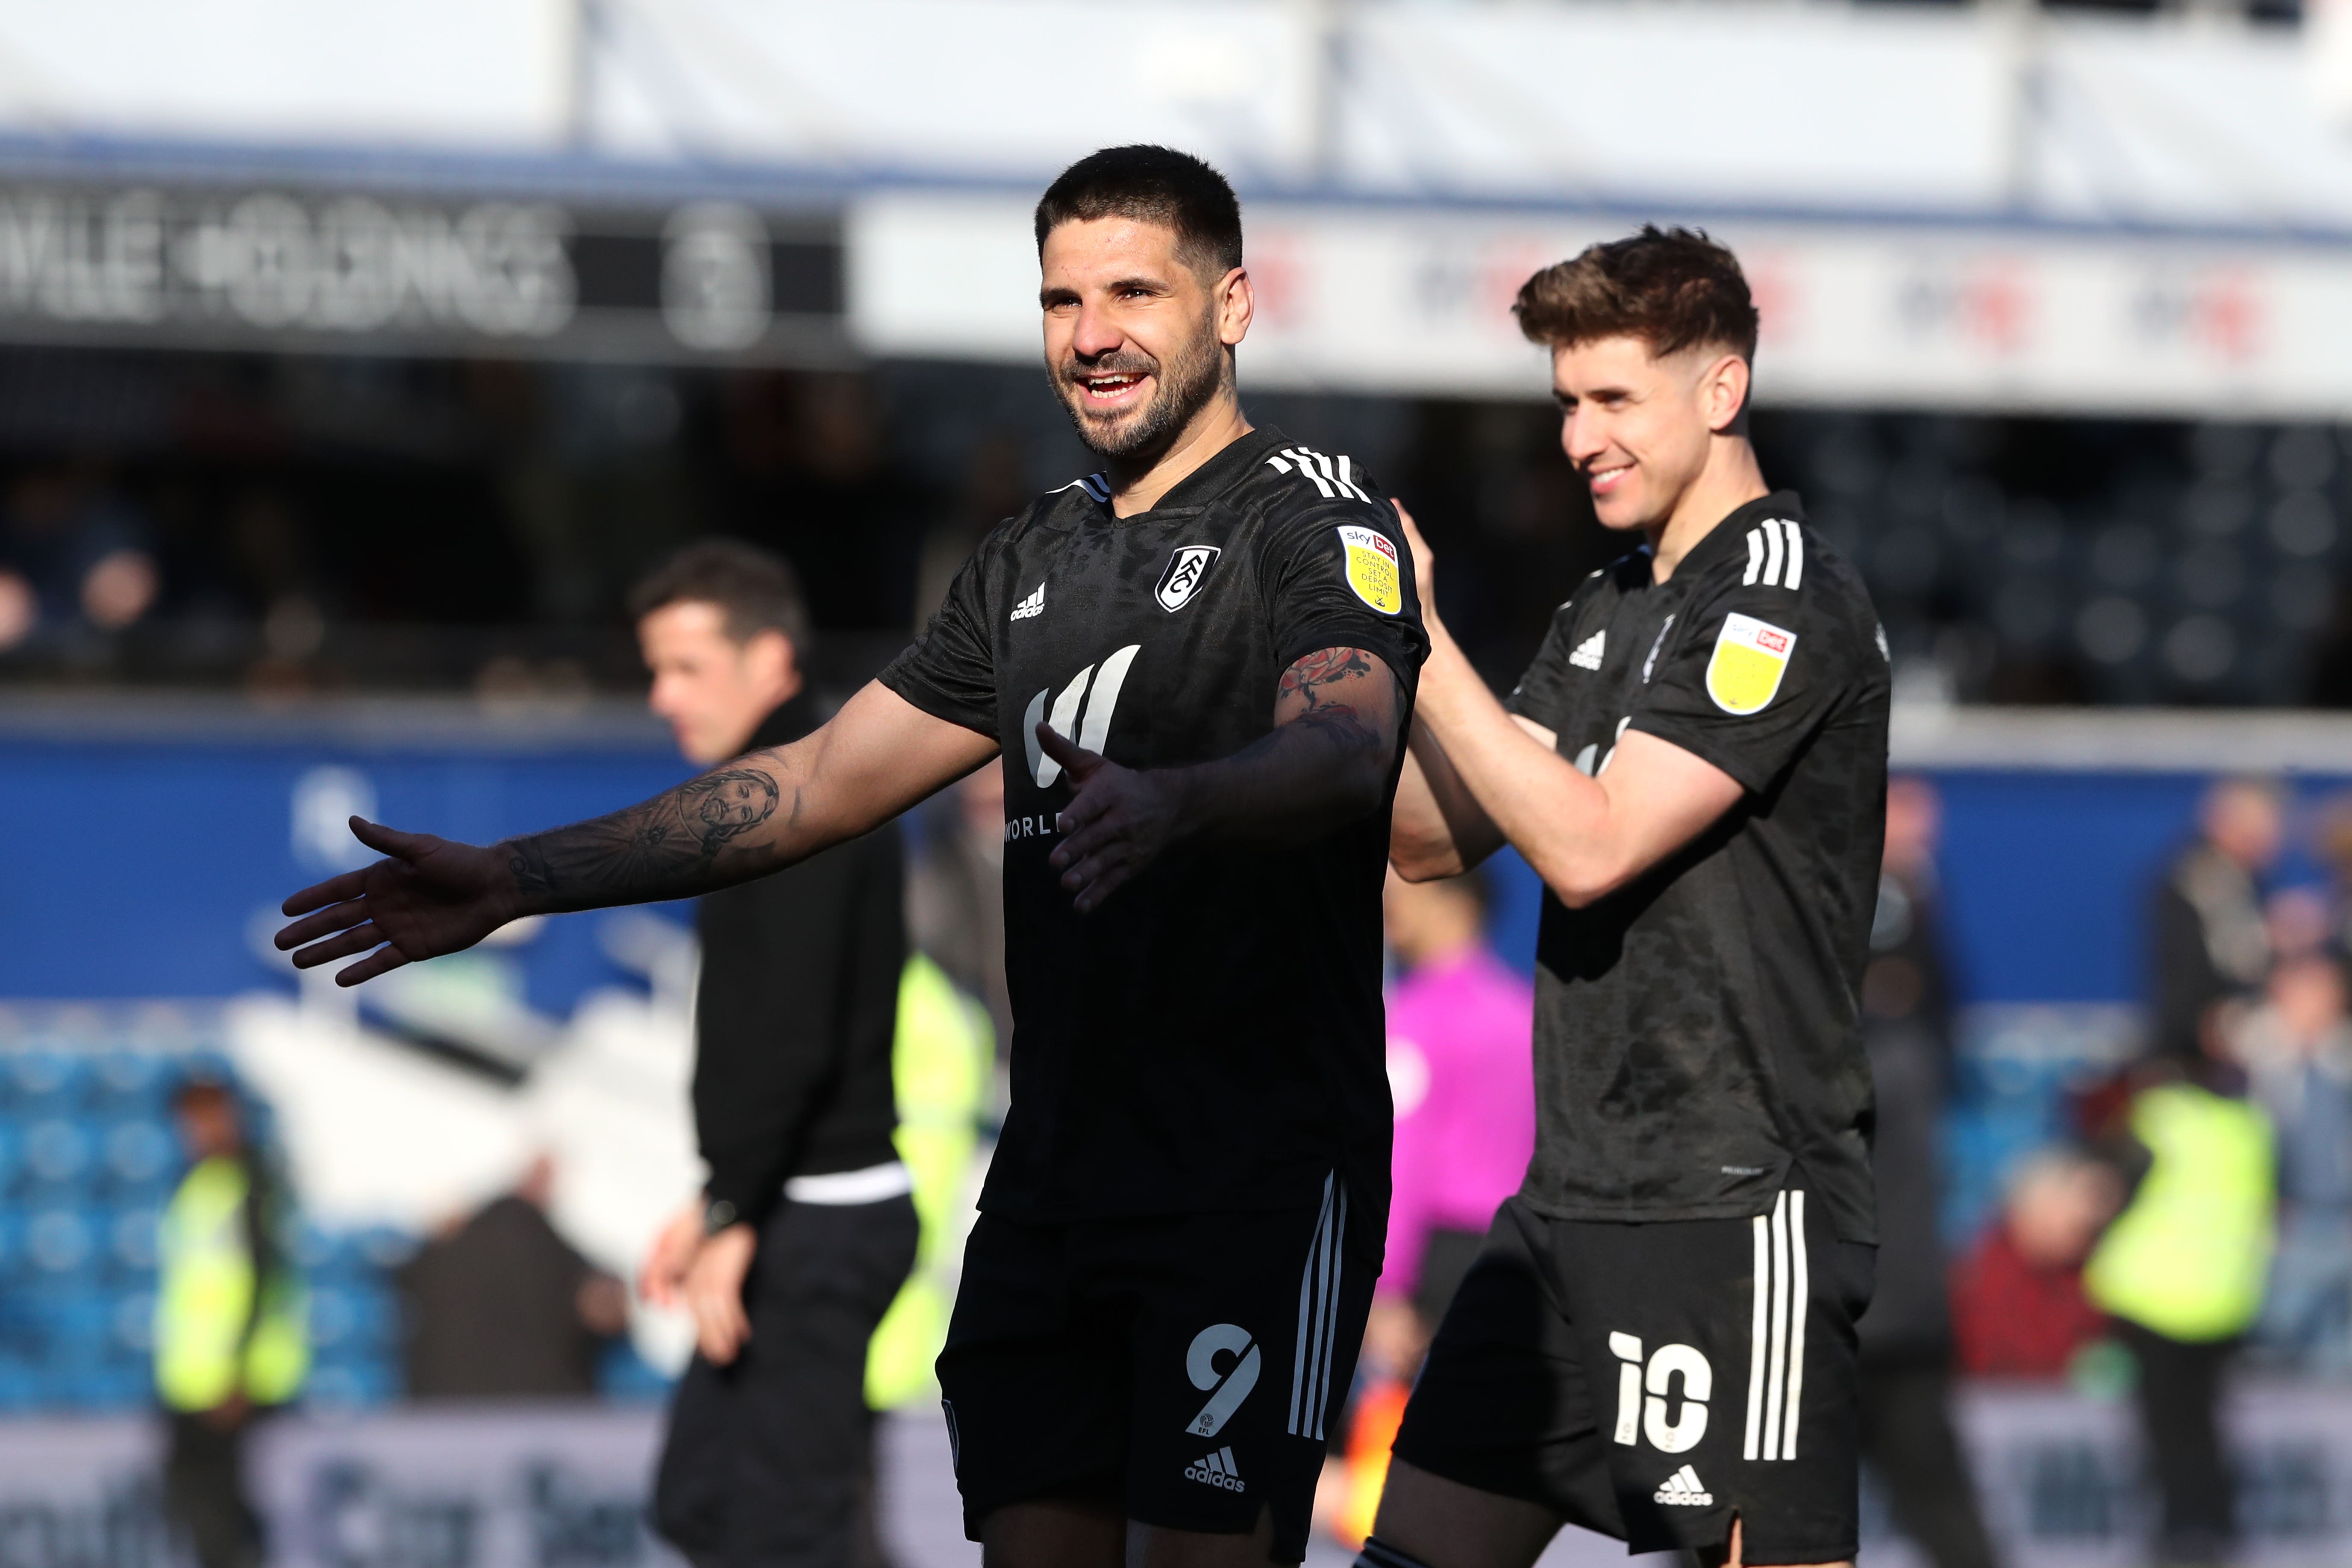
(1657,1340)
(1197,666)
(805,1231)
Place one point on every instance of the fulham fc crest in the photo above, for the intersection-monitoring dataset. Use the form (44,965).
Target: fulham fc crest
(1185,568)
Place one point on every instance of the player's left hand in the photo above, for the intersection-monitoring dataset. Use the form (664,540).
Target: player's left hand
(1118,821)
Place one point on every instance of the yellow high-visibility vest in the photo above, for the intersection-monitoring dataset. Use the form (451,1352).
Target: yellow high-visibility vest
(2189,1255)
(203,1354)
(940,1060)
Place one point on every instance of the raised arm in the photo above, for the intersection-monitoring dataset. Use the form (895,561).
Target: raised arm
(1337,713)
(1438,828)
(756,815)
(1487,773)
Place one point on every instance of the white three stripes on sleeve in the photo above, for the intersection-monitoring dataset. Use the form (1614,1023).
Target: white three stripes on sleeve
(1776,1353)
(1331,477)
(1776,554)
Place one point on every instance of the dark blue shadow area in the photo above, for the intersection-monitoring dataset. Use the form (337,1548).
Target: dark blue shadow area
(2046,879)
(140,870)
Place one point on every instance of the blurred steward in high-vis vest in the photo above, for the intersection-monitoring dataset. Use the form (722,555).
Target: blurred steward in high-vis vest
(230,1340)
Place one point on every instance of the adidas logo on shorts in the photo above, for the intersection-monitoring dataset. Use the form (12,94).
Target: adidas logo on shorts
(1683,1488)
(1217,1471)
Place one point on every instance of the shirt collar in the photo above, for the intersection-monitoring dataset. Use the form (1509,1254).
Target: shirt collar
(1221,473)
(1732,534)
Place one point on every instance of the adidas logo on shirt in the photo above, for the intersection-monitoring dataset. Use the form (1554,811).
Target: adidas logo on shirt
(1217,1471)
(1034,604)
(1684,1489)
(1588,652)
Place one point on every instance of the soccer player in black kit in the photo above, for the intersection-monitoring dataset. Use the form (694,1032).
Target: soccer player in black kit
(1657,1339)
(1197,665)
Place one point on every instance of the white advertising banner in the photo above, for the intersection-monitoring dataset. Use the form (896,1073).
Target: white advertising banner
(1416,299)
(2061,1479)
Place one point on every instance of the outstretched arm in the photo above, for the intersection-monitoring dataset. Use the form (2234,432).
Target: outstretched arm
(1335,714)
(756,815)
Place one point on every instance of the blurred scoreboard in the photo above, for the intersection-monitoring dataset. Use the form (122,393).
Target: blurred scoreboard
(290,268)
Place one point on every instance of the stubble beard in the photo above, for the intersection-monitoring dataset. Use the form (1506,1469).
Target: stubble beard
(1186,382)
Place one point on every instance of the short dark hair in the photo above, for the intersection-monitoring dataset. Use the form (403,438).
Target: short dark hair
(1671,288)
(756,589)
(201,1088)
(1151,184)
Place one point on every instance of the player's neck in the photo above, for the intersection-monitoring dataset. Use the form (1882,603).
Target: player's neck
(1137,487)
(1731,478)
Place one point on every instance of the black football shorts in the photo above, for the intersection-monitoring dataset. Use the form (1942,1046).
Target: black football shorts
(1183,1367)
(1652,1381)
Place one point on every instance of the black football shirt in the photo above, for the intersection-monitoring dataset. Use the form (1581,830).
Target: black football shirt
(1697,1040)
(1212,1036)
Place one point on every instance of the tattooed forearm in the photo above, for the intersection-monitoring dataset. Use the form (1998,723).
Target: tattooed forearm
(669,847)
(1337,714)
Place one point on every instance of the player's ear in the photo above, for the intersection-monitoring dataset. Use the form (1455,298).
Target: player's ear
(1725,396)
(1236,306)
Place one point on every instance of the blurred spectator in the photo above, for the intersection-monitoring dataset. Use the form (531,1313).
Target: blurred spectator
(1906,1334)
(230,1346)
(806,1228)
(2211,944)
(955,891)
(2019,1309)
(996,488)
(1460,1030)
(814,482)
(501,1307)
(84,554)
(2181,1272)
(2296,1048)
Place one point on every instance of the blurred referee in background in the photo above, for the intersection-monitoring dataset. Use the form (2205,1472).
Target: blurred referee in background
(806,1229)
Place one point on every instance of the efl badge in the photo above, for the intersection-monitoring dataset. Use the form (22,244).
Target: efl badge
(1750,656)
(1185,568)
(1372,569)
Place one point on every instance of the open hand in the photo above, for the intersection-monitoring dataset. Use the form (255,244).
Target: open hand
(1118,821)
(429,896)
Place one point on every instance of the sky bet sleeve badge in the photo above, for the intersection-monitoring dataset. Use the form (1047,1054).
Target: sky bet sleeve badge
(1750,656)
(1372,569)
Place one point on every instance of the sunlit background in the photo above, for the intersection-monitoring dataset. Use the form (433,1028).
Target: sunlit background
(355,359)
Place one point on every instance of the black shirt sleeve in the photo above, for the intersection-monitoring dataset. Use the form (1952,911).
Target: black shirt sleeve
(1338,575)
(1756,670)
(950,671)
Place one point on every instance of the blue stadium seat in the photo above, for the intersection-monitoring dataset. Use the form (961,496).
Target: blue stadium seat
(132,1330)
(59,1244)
(56,1158)
(140,1156)
(20,1387)
(46,1083)
(355,1384)
(132,1238)
(134,1083)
